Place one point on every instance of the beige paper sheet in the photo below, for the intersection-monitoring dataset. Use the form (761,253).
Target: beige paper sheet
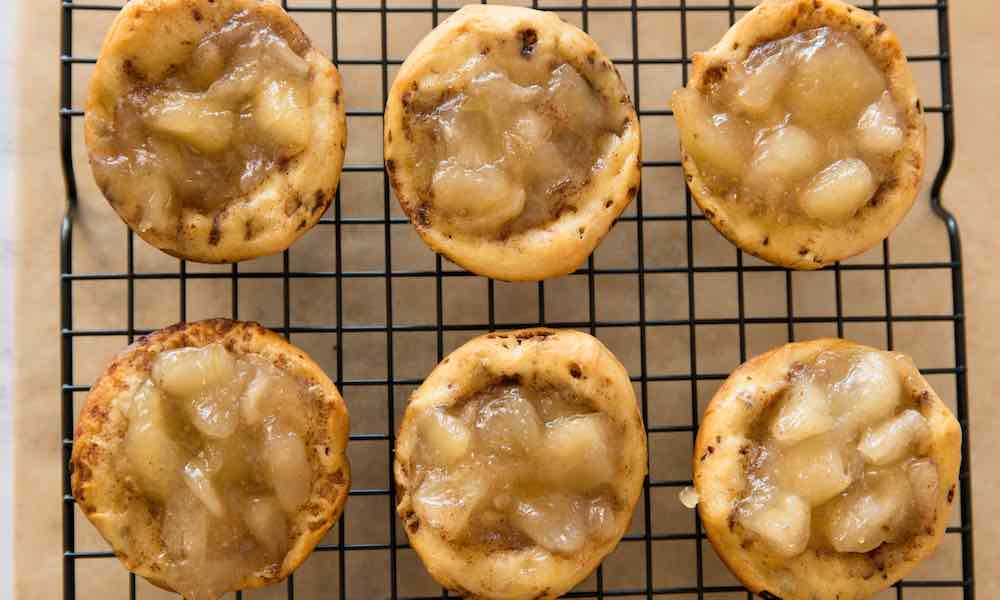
(100,240)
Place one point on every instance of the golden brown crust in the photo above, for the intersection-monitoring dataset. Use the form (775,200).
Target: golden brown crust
(566,358)
(811,245)
(564,244)
(103,494)
(149,37)
(719,477)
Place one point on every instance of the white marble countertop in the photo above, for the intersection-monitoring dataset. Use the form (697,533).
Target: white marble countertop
(7,170)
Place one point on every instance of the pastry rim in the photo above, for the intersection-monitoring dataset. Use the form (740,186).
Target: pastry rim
(809,245)
(561,357)
(294,195)
(559,246)
(90,462)
(821,576)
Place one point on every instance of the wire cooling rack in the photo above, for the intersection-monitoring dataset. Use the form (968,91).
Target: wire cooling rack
(377,309)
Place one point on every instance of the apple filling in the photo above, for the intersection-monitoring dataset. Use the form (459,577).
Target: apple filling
(804,129)
(840,461)
(515,467)
(510,142)
(219,443)
(214,128)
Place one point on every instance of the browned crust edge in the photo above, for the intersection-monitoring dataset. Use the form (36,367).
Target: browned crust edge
(96,439)
(718,463)
(293,196)
(564,244)
(812,246)
(564,357)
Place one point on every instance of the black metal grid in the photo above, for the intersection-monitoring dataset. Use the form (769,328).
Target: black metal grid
(643,532)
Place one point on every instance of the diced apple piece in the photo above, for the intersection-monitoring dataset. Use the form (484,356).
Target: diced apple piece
(575,452)
(287,467)
(212,456)
(924,482)
(444,439)
(552,406)
(756,90)
(892,440)
(291,402)
(833,84)
(192,119)
(186,372)
(532,152)
(267,524)
(270,395)
(218,367)
(480,200)
(469,411)
(237,85)
(255,403)
(689,497)
(160,207)
(198,480)
(185,528)
(531,129)
(782,523)
(472,140)
(571,93)
(283,55)
(154,457)
(879,134)
(475,133)
(281,110)
(873,512)
(233,459)
(814,470)
(208,382)
(719,144)
(838,191)
(869,393)
(509,424)
(447,501)
(804,413)
(215,411)
(554,521)
(787,154)
(547,164)
(208,63)
(601,521)
(491,88)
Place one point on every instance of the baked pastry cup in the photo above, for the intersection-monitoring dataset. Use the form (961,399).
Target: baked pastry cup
(215,129)
(802,135)
(511,142)
(825,470)
(211,457)
(519,462)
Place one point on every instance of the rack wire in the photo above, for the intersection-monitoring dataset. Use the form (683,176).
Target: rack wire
(661,555)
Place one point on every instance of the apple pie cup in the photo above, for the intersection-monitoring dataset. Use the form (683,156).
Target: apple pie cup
(511,142)
(211,457)
(825,470)
(214,128)
(519,462)
(802,135)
